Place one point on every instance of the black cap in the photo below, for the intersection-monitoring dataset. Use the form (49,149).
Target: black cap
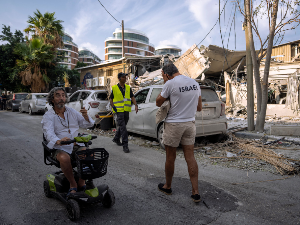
(121,75)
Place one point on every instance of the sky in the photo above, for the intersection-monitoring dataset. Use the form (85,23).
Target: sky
(177,22)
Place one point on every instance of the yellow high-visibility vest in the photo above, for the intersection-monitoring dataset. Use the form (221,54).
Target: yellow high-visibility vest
(123,104)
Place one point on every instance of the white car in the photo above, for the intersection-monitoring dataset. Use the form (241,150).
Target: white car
(33,103)
(210,121)
(93,100)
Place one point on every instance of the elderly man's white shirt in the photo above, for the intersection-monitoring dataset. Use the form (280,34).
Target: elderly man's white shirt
(56,128)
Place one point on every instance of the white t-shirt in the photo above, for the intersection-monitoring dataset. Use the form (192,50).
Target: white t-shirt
(184,94)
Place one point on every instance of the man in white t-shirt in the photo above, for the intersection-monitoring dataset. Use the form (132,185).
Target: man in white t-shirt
(179,126)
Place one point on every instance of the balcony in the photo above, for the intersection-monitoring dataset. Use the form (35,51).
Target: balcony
(113,44)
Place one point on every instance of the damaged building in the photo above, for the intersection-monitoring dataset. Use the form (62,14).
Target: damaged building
(223,69)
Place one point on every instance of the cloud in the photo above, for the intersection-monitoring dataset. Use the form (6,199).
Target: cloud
(203,12)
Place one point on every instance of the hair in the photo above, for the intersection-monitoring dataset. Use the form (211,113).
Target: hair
(51,94)
(170,69)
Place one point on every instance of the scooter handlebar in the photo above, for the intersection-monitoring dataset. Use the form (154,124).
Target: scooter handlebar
(67,142)
(72,141)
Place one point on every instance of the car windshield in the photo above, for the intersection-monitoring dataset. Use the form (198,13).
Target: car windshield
(41,96)
(21,96)
(154,94)
(209,95)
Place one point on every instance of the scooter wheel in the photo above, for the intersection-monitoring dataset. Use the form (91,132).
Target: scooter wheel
(108,199)
(47,191)
(73,210)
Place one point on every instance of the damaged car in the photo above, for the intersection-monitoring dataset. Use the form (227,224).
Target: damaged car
(210,121)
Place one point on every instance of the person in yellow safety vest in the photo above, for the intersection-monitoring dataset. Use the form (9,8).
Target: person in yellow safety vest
(120,101)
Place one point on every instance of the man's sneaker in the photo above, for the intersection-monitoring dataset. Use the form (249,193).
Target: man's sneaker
(117,142)
(126,149)
(196,198)
(164,190)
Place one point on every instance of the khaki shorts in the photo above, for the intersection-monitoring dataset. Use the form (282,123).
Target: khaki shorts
(179,133)
(75,149)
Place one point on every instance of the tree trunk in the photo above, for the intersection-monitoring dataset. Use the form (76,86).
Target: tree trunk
(255,61)
(262,115)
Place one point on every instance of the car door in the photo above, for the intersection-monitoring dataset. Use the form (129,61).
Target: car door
(26,102)
(136,122)
(73,100)
(149,112)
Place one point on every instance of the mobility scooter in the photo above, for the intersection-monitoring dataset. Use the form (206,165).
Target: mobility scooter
(91,164)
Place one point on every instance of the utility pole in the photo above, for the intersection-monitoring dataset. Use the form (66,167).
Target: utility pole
(249,65)
(123,49)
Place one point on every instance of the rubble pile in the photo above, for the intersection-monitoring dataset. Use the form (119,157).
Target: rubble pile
(251,155)
(281,163)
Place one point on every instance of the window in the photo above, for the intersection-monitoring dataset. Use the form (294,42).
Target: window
(28,97)
(209,95)
(154,94)
(128,50)
(109,72)
(84,95)
(101,96)
(21,96)
(141,96)
(74,97)
(41,96)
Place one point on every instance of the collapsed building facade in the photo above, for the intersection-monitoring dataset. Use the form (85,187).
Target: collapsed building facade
(223,69)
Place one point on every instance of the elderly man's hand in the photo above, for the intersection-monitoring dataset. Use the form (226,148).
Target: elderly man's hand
(63,139)
(84,114)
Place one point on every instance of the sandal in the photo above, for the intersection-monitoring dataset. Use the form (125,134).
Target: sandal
(164,190)
(196,198)
(71,189)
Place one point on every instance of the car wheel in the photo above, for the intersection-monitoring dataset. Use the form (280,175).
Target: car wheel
(160,135)
(30,111)
(73,210)
(47,191)
(108,199)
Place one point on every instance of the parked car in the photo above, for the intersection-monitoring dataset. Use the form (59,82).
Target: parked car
(33,103)
(13,101)
(93,100)
(210,121)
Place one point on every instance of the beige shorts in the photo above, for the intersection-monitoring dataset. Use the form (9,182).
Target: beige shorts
(179,133)
(75,149)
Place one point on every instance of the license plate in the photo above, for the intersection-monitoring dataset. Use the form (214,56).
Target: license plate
(205,112)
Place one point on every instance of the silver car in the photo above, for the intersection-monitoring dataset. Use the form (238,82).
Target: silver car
(210,121)
(33,103)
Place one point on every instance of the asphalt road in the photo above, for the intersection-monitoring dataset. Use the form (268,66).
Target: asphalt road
(232,196)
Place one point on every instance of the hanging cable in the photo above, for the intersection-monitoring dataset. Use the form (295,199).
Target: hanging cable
(207,33)
(109,12)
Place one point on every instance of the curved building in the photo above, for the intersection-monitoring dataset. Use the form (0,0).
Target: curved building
(69,52)
(168,49)
(136,43)
(88,57)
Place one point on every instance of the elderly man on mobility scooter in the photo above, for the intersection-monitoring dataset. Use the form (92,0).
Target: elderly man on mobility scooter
(61,124)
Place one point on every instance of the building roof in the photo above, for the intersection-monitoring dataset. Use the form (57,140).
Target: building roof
(129,30)
(168,47)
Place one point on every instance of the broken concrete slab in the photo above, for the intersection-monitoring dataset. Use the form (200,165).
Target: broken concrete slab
(285,130)
(278,110)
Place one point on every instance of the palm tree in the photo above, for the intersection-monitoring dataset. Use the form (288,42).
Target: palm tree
(47,27)
(35,55)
